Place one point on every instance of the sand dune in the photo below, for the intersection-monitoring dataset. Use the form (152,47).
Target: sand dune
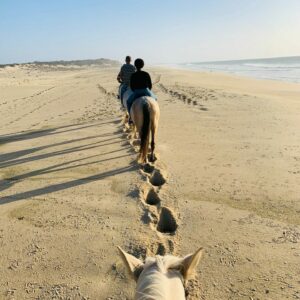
(227,179)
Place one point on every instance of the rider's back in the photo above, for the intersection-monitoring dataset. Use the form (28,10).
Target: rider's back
(140,80)
(127,70)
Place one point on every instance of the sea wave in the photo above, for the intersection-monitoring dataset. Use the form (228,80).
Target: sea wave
(273,66)
(284,69)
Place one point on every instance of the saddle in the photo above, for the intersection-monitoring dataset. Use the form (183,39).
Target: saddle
(140,93)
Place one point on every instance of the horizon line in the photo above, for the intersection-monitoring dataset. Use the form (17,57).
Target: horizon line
(156,63)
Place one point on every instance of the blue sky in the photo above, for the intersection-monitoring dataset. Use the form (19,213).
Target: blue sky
(160,31)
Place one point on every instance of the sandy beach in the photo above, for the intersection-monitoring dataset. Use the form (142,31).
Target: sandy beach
(227,179)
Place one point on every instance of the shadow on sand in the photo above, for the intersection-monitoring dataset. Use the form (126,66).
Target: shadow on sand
(10,161)
(29,134)
(66,185)
(16,158)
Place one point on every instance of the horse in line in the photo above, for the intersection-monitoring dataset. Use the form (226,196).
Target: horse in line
(145,114)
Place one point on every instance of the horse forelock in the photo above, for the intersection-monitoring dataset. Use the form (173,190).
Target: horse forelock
(163,263)
(154,280)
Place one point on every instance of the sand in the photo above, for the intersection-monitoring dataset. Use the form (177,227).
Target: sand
(227,179)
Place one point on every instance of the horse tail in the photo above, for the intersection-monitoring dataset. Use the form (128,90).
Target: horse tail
(145,132)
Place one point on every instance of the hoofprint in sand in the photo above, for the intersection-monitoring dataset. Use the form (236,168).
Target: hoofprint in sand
(71,190)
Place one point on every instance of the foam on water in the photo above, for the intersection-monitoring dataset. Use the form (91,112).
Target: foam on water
(282,68)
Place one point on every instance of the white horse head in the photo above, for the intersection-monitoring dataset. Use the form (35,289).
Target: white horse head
(161,277)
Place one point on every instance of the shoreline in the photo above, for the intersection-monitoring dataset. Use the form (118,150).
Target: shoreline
(221,72)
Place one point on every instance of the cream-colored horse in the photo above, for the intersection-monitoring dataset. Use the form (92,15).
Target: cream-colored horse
(162,277)
(145,114)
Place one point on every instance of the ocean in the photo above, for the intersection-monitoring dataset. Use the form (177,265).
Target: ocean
(280,68)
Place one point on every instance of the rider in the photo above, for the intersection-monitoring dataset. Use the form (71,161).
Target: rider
(124,75)
(140,84)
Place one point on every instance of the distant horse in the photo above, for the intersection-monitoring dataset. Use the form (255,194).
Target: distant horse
(162,277)
(144,113)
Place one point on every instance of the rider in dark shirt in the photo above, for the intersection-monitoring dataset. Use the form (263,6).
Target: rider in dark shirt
(140,80)
(140,84)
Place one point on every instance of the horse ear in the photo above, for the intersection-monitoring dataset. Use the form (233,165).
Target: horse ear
(133,264)
(189,264)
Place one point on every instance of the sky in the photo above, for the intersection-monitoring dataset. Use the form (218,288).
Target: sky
(159,31)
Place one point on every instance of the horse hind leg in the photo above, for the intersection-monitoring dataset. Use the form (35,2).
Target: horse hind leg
(125,118)
(144,131)
(153,131)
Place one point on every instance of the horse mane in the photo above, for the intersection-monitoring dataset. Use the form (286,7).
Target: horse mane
(155,294)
